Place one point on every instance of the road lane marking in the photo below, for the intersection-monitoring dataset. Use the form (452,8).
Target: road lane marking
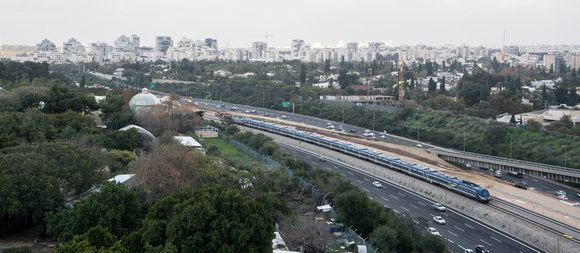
(421,204)
(395,211)
(350,173)
(367,179)
(401,194)
(459,229)
(366,190)
(413,206)
(405,209)
(358,181)
(468,225)
(486,243)
(495,239)
(386,206)
(393,196)
(453,233)
(449,240)
(342,174)
(384,198)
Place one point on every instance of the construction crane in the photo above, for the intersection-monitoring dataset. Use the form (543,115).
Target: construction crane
(265,35)
(402,84)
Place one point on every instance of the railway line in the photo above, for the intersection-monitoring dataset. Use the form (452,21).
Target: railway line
(540,221)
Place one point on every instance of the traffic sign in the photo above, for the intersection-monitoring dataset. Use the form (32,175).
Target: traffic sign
(286,104)
(152,85)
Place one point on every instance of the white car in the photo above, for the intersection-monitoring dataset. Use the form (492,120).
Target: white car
(560,193)
(246,111)
(439,207)
(433,231)
(439,220)
(366,134)
(377,184)
(468,251)
(283,116)
(367,131)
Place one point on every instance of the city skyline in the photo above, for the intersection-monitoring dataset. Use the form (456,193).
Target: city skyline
(238,24)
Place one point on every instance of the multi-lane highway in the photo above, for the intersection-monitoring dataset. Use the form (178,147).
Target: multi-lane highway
(463,232)
(539,184)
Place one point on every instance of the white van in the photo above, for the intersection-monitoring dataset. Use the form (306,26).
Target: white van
(498,173)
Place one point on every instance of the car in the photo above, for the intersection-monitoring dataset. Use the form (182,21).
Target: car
(283,116)
(352,130)
(330,127)
(367,131)
(322,159)
(562,196)
(234,108)
(439,220)
(419,145)
(524,183)
(439,207)
(560,192)
(328,123)
(578,194)
(377,184)
(433,231)
(246,111)
(521,186)
(468,251)
(468,165)
(253,111)
(481,249)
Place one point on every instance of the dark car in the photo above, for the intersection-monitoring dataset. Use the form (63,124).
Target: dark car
(352,131)
(481,249)
(521,186)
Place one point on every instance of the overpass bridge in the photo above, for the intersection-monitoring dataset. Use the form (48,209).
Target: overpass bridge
(505,164)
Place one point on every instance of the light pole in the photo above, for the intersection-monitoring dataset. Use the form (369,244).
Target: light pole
(417,127)
(446,218)
(463,136)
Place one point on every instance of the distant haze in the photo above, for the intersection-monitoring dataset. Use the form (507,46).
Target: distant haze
(236,23)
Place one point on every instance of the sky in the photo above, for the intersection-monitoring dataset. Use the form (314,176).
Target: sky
(237,23)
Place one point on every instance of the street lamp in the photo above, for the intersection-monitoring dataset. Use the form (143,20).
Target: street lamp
(463,136)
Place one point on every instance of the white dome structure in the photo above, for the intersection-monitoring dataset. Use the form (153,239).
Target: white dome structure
(143,99)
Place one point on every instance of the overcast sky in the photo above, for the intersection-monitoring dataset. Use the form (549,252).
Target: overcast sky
(236,23)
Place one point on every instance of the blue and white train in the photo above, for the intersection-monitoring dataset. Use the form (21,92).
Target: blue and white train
(432,176)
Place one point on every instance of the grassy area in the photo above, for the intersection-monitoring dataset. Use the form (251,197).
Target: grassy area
(227,149)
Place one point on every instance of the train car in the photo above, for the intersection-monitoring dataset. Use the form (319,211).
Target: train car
(452,183)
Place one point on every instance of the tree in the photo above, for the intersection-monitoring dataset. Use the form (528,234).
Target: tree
(355,209)
(170,102)
(97,239)
(169,168)
(432,88)
(442,86)
(303,74)
(113,207)
(60,99)
(83,81)
(213,219)
(384,237)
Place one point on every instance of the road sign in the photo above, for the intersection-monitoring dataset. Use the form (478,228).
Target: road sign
(152,85)
(286,104)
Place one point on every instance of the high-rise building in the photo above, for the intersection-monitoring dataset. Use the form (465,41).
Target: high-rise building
(127,44)
(46,45)
(162,43)
(101,48)
(72,47)
(259,49)
(296,46)
(211,43)
(553,61)
(575,62)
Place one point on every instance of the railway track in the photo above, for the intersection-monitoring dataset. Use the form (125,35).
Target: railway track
(518,214)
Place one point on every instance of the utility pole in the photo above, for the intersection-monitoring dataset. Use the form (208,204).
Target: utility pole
(417,127)
(446,217)
(463,136)
(374,120)
(343,112)
(263,87)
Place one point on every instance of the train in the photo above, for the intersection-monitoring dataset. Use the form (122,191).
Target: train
(430,175)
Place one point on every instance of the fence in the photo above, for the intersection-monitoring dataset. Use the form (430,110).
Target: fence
(308,187)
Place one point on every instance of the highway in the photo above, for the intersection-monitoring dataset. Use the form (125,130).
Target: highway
(536,183)
(464,232)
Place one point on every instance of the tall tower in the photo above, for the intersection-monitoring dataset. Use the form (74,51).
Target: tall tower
(402,83)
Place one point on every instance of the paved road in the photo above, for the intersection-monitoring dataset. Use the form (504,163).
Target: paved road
(536,183)
(464,232)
